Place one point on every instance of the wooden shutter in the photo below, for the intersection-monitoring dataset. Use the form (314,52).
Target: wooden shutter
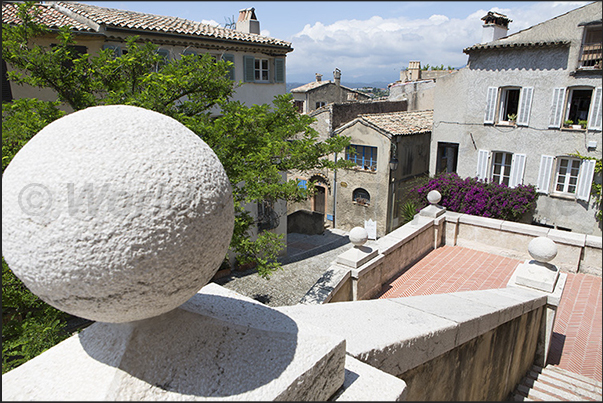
(557,107)
(587,171)
(249,69)
(594,115)
(525,105)
(482,164)
(518,164)
(544,174)
(490,105)
(279,70)
(231,70)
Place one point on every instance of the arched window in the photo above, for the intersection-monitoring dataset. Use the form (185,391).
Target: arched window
(362,197)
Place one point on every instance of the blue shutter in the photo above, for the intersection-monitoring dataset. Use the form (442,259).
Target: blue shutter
(249,69)
(302,184)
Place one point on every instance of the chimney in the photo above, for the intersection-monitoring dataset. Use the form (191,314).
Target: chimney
(414,71)
(495,26)
(247,22)
(337,76)
(318,77)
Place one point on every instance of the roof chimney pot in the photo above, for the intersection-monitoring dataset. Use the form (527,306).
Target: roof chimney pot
(248,22)
(496,26)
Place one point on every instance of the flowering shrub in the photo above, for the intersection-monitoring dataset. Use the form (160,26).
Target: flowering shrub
(470,196)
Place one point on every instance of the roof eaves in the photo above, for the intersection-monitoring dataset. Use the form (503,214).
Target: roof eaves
(539,44)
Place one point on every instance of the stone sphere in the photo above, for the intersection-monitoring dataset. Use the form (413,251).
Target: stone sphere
(116,213)
(358,236)
(434,197)
(542,249)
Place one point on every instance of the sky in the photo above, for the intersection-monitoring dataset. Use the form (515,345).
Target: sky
(369,41)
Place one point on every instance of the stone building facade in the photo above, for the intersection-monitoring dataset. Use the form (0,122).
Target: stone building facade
(503,117)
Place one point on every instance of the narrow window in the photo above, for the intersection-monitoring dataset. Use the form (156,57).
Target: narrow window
(447,157)
(320,104)
(501,167)
(591,54)
(578,105)
(261,69)
(566,178)
(509,104)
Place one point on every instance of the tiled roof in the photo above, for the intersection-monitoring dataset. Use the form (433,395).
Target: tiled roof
(47,15)
(501,44)
(310,86)
(58,12)
(401,123)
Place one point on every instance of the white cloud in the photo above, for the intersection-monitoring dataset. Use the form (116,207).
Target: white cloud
(379,47)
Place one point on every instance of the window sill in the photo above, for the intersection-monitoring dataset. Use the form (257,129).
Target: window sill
(361,204)
(564,196)
(573,129)
(507,124)
(358,169)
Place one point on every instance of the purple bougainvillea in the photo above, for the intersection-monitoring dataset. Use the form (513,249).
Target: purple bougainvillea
(471,196)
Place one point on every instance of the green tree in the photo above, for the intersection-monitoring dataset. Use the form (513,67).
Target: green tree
(255,144)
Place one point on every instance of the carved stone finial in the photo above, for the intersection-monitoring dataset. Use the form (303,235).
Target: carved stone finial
(542,249)
(358,236)
(116,213)
(434,197)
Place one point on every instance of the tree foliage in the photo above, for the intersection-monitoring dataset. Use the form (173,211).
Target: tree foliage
(255,144)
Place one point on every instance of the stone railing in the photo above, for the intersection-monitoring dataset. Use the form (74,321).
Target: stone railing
(138,265)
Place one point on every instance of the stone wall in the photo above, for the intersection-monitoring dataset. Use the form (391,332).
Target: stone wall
(346,112)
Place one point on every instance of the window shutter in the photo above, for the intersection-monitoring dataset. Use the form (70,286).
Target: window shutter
(302,184)
(116,50)
(594,116)
(587,171)
(249,66)
(557,107)
(279,70)
(231,70)
(482,164)
(544,174)
(518,164)
(490,105)
(525,105)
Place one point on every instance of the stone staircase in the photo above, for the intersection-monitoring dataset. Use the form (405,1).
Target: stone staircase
(555,384)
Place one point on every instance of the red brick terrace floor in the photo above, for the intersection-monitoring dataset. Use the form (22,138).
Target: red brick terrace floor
(576,342)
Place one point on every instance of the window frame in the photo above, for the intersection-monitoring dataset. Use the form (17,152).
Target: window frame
(567,176)
(503,167)
(360,164)
(562,100)
(485,167)
(548,176)
(261,70)
(589,62)
(503,104)
(497,102)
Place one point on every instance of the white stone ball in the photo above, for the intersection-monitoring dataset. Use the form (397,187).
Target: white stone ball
(434,197)
(542,249)
(358,236)
(116,213)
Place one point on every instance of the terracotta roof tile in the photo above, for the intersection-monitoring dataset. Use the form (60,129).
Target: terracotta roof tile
(56,15)
(47,16)
(402,123)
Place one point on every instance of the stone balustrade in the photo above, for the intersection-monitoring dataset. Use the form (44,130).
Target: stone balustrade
(139,264)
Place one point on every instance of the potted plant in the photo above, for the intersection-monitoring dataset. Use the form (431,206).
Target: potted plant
(512,118)
(583,123)
(568,123)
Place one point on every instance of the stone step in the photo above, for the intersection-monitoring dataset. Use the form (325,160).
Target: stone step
(587,383)
(555,384)
(568,384)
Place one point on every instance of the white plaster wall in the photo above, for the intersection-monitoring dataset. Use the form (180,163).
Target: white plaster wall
(460,103)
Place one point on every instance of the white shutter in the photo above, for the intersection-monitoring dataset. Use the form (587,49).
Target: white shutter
(482,164)
(525,105)
(544,174)
(518,164)
(587,171)
(594,116)
(490,105)
(557,107)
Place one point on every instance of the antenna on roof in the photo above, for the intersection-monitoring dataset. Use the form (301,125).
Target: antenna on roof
(230,23)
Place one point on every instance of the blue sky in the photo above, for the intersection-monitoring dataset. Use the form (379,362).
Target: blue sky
(369,41)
